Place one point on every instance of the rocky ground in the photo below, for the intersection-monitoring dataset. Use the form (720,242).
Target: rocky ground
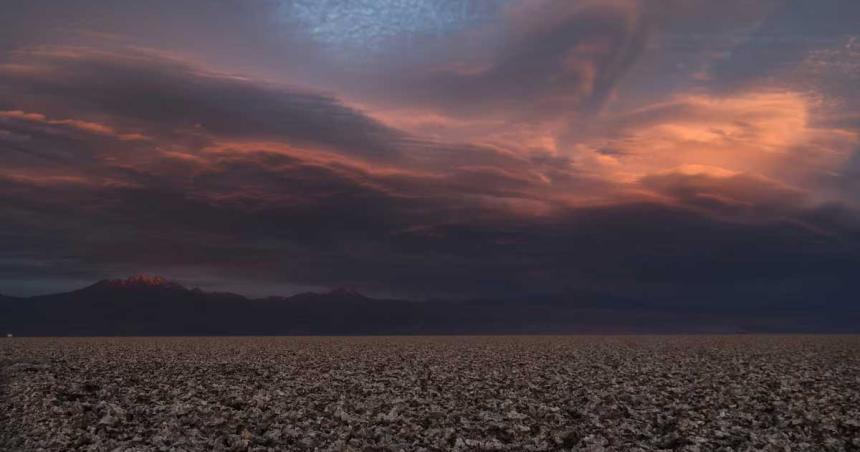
(431,393)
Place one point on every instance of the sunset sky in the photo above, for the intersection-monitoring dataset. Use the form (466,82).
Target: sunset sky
(698,150)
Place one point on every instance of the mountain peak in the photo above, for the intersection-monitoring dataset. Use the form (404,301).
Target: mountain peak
(346,292)
(140,281)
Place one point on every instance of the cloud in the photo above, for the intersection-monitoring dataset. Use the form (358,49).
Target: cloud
(83,126)
(142,90)
(729,196)
(557,57)
(266,218)
(763,134)
(118,163)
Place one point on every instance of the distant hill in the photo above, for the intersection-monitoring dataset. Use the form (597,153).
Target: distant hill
(149,306)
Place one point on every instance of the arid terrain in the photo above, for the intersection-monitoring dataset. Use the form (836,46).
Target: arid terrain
(432,393)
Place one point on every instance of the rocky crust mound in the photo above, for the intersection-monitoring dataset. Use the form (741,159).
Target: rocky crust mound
(432,394)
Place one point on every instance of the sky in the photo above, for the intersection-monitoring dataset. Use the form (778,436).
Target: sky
(684,150)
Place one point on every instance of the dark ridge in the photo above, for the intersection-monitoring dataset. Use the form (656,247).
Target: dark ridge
(154,306)
(346,292)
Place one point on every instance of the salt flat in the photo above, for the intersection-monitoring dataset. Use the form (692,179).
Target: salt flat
(431,393)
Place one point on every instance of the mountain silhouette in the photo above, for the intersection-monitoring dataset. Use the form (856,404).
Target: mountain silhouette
(140,282)
(151,305)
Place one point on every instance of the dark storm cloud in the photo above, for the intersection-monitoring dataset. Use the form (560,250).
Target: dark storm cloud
(172,175)
(166,96)
(147,188)
(339,231)
(262,216)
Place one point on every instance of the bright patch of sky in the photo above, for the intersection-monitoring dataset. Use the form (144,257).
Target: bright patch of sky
(373,26)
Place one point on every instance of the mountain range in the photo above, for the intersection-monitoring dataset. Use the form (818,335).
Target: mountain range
(152,306)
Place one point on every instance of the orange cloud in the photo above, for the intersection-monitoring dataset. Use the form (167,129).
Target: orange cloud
(32,178)
(771,134)
(60,178)
(83,126)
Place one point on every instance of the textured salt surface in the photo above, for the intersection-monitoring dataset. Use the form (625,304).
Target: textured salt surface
(440,393)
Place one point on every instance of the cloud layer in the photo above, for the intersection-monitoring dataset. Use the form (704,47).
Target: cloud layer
(541,166)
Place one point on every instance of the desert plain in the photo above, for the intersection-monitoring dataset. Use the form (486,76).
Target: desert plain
(516,393)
